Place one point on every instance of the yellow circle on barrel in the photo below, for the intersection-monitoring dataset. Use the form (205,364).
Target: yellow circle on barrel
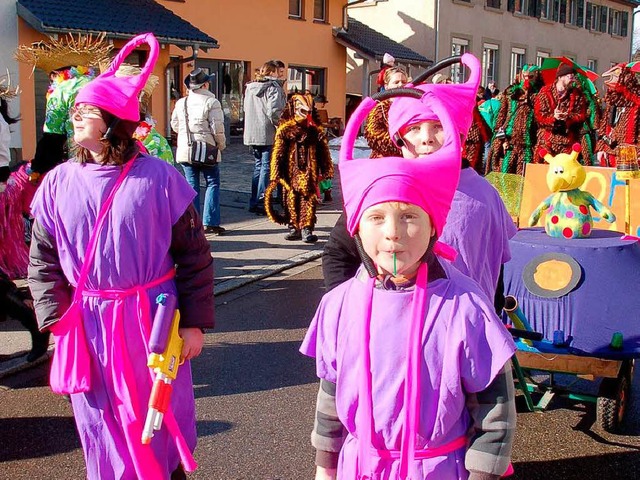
(552,275)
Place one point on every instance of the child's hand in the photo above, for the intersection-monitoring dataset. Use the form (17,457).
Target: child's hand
(323,473)
(193,339)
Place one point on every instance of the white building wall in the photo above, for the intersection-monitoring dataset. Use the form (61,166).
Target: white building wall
(414,24)
(9,42)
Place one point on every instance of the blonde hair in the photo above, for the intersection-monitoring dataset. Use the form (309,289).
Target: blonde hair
(268,69)
(390,71)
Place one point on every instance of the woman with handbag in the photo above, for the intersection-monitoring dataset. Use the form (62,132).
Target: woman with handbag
(199,122)
(114,229)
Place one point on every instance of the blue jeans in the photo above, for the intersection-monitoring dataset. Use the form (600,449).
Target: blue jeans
(211,217)
(260,180)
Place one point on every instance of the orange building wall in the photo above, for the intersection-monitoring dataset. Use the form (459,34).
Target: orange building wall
(255,31)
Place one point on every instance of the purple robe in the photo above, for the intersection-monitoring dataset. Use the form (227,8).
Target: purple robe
(479,228)
(132,250)
(465,346)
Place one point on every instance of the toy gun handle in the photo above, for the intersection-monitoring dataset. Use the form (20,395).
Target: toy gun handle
(165,347)
(518,319)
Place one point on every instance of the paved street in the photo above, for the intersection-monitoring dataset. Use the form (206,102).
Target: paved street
(255,393)
(255,397)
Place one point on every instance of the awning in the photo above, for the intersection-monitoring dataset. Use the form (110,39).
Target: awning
(372,44)
(118,18)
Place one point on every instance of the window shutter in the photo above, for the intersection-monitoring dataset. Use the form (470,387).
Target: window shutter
(588,16)
(556,9)
(580,17)
(511,6)
(624,24)
(563,11)
(603,19)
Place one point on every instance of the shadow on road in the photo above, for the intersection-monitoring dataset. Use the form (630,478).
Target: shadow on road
(575,468)
(32,437)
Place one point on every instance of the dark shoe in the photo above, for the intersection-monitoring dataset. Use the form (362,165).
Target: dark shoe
(39,346)
(327,196)
(217,230)
(294,234)
(308,236)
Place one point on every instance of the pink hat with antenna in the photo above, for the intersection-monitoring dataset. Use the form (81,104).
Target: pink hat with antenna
(119,95)
(429,182)
(457,98)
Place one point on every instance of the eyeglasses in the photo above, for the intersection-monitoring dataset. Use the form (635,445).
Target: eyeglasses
(85,113)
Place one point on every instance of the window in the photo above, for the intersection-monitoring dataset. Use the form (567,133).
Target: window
(493,4)
(593,17)
(489,63)
(518,59)
(550,9)
(521,6)
(459,46)
(592,65)
(576,13)
(320,10)
(618,22)
(540,56)
(306,80)
(295,8)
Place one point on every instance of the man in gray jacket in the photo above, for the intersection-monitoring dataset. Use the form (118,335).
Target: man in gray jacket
(264,100)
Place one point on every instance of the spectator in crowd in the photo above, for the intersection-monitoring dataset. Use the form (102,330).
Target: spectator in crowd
(264,100)
(206,123)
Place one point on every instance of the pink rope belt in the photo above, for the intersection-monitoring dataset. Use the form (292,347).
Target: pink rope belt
(125,385)
(424,453)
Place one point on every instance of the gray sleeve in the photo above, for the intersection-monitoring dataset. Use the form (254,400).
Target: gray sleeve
(191,253)
(328,432)
(275,103)
(49,287)
(493,412)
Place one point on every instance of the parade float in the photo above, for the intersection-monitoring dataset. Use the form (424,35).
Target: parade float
(574,282)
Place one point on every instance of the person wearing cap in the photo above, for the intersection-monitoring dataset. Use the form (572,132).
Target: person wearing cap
(440,402)
(114,230)
(264,101)
(206,123)
(560,110)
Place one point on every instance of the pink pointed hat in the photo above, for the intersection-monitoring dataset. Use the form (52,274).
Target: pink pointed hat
(457,98)
(119,95)
(429,182)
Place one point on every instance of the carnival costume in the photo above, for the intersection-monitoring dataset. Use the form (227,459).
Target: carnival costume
(621,120)
(557,136)
(299,159)
(474,145)
(401,422)
(376,132)
(71,63)
(515,126)
(102,339)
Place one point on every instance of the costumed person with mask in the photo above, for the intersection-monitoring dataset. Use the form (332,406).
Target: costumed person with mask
(70,63)
(620,123)
(477,138)
(515,130)
(154,143)
(100,258)
(300,158)
(560,110)
(401,421)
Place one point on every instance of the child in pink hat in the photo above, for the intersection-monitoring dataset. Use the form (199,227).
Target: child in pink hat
(114,228)
(411,356)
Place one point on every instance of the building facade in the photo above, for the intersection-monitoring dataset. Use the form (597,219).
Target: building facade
(506,34)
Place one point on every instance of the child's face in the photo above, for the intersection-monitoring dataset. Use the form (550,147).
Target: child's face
(422,138)
(399,228)
(88,127)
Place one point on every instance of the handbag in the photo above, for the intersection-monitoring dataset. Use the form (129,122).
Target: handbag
(71,366)
(200,153)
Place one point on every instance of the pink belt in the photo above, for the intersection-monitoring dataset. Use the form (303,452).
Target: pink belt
(421,454)
(124,382)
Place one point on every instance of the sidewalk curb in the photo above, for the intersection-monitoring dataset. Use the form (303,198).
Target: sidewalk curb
(251,277)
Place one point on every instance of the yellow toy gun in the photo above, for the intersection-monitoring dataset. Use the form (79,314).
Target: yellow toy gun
(165,346)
